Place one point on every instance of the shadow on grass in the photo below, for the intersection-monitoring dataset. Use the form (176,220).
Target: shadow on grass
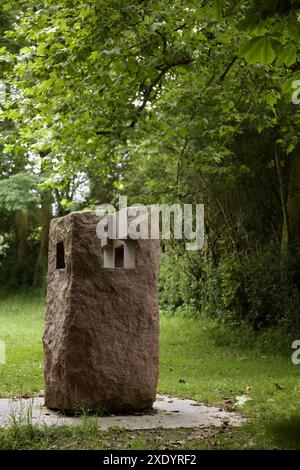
(287,433)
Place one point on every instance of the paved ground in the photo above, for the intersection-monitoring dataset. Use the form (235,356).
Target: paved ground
(168,412)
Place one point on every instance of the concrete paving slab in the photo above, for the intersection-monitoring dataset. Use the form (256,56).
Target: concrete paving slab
(168,412)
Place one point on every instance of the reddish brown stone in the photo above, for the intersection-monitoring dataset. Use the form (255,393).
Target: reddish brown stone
(102,326)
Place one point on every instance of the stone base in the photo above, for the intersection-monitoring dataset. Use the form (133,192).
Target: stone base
(168,413)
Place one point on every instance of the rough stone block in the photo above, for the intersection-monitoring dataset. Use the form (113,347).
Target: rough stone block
(102,326)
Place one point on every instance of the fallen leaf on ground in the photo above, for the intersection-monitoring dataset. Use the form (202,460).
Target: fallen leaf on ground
(279,387)
(241,400)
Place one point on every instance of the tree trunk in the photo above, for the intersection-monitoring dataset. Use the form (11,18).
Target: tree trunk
(291,230)
(22,234)
(44,240)
(46,215)
(41,264)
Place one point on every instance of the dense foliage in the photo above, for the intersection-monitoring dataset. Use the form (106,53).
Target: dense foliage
(164,101)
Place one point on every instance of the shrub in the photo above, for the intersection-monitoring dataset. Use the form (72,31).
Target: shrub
(260,289)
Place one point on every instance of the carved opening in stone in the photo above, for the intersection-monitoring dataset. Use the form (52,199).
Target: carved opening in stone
(119,254)
(60,256)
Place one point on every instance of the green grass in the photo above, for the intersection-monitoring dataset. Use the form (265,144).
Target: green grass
(215,364)
(199,359)
(21,327)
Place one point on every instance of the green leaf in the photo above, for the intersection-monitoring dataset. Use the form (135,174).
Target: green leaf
(250,50)
(94,56)
(277,46)
(258,50)
(294,29)
(267,55)
(42,50)
(287,86)
(217,9)
(288,55)
(271,100)
(249,23)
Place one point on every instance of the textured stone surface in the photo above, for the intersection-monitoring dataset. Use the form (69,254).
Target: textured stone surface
(102,327)
(168,413)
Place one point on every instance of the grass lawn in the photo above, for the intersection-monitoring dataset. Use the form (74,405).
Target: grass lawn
(199,359)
